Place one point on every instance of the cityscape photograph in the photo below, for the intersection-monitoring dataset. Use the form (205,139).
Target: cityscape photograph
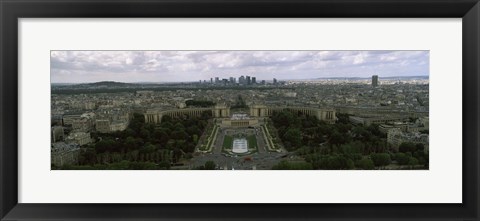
(240,110)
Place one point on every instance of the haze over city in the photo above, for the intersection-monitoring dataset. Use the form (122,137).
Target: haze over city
(190,66)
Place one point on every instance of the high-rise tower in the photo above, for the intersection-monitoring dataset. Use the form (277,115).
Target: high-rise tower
(375,80)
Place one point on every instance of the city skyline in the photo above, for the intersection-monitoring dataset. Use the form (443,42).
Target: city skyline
(191,66)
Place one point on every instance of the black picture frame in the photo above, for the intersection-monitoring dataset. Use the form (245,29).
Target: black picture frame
(12,10)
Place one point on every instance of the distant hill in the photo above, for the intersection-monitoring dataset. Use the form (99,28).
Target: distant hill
(380,77)
(108,83)
(95,84)
(405,77)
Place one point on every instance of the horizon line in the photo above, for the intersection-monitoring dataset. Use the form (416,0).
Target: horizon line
(285,79)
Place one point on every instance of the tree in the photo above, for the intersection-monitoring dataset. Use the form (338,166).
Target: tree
(375,130)
(197,103)
(131,143)
(161,136)
(337,138)
(380,159)
(105,145)
(402,158)
(334,162)
(343,128)
(194,130)
(166,119)
(179,126)
(177,153)
(179,135)
(309,121)
(167,125)
(210,165)
(145,134)
(148,148)
(285,165)
(201,124)
(412,161)
(343,118)
(142,166)
(195,139)
(407,147)
(122,165)
(128,132)
(359,131)
(365,164)
(239,103)
(350,164)
(294,136)
(88,157)
(285,118)
(419,147)
(164,165)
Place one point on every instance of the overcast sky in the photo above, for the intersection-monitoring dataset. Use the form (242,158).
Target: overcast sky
(175,66)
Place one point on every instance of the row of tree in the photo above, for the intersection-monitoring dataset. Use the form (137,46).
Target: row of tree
(349,162)
(341,145)
(239,102)
(145,143)
(123,165)
(297,130)
(198,103)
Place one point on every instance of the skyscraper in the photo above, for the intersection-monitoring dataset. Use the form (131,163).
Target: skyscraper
(375,80)
(249,81)
(241,80)
(254,80)
(274,81)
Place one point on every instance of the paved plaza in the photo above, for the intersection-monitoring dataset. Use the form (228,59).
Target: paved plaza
(232,149)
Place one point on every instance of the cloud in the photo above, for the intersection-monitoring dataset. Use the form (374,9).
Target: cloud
(164,66)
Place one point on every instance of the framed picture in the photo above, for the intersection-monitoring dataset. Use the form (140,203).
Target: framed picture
(252,110)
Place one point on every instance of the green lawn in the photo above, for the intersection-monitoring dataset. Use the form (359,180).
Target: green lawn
(252,142)
(210,139)
(227,142)
(269,138)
